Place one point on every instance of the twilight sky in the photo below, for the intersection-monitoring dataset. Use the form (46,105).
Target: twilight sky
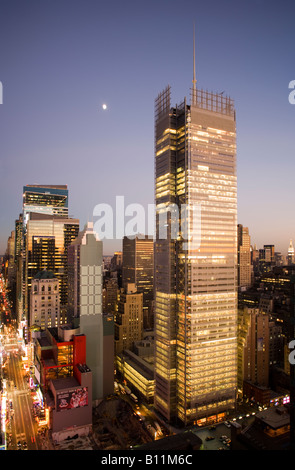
(60,60)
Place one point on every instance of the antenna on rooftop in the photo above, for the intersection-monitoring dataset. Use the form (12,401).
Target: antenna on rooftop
(194,71)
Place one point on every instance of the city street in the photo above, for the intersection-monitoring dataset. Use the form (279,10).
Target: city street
(23,428)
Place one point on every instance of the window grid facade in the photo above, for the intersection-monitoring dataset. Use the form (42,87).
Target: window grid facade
(195,272)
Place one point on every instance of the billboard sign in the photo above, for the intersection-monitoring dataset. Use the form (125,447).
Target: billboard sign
(74,398)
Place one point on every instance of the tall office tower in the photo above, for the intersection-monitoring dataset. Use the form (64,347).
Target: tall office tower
(48,200)
(195,258)
(138,268)
(244,257)
(85,309)
(291,254)
(46,243)
(129,319)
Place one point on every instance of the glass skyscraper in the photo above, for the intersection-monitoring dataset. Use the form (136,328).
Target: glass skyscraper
(195,257)
(47,240)
(46,233)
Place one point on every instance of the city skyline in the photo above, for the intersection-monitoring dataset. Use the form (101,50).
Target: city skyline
(61,62)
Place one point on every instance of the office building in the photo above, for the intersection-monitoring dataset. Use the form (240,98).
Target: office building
(244,258)
(46,243)
(137,369)
(10,267)
(260,345)
(195,257)
(47,250)
(267,254)
(85,309)
(116,261)
(110,295)
(19,267)
(128,319)
(45,301)
(138,268)
(257,349)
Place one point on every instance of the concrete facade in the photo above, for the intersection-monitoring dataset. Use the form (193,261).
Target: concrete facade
(85,263)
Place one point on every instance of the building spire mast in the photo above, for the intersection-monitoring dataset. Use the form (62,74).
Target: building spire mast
(194,70)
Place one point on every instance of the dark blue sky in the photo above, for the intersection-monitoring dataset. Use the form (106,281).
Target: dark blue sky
(60,60)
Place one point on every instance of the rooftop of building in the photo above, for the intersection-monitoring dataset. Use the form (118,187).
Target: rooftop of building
(270,430)
(275,417)
(183,441)
(65,383)
(43,341)
(138,363)
(45,216)
(45,275)
(58,334)
(53,186)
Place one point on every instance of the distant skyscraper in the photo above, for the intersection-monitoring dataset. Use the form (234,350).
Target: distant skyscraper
(116,266)
(85,309)
(267,254)
(116,261)
(195,272)
(244,257)
(110,295)
(291,253)
(138,268)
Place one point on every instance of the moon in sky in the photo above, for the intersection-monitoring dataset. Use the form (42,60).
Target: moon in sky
(104,106)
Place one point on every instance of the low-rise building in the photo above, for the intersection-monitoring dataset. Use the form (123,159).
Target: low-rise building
(70,404)
(65,381)
(269,431)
